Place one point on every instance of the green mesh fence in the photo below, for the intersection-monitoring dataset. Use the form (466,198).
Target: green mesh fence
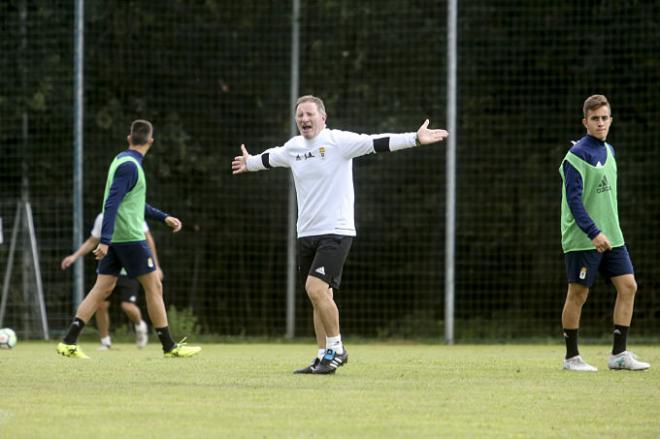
(212,75)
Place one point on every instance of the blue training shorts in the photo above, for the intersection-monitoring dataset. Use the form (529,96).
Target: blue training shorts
(582,267)
(135,257)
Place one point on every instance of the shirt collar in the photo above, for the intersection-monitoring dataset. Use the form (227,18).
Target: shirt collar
(594,140)
(135,154)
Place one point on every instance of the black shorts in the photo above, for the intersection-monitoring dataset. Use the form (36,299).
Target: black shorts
(583,266)
(323,257)
(127,289)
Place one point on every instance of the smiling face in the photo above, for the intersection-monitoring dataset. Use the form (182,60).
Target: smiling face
(598,122)
(309,119)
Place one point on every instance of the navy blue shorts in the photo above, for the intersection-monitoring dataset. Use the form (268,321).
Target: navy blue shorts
(323,257)
(128,289)
(582,267)
(135,257)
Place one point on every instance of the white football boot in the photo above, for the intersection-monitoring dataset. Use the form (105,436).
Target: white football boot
(626,360)
(577,364)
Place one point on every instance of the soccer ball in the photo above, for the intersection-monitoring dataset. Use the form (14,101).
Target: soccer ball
(7,338)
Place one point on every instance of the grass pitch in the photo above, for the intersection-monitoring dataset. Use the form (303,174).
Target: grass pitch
(248,390)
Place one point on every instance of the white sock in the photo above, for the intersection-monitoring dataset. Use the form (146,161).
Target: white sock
(105,341)
(320,354)
(142,326)
(335,344)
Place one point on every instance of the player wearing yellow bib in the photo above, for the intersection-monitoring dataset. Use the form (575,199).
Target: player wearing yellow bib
(123,244)
(127,288)
(592,239)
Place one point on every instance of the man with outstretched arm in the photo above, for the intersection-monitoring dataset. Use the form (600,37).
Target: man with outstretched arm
(321,162)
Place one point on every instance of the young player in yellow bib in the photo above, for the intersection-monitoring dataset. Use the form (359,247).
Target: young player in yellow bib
(123,244)
(592,239)
(321,161)
(127,288)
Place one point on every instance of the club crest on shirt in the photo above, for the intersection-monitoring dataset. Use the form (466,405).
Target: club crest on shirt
(322,152)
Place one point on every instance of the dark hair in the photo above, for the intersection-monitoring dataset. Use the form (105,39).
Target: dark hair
(141,131)
(593,103)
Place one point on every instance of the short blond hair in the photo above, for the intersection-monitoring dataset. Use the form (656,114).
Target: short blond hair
(310,98)
(593,103)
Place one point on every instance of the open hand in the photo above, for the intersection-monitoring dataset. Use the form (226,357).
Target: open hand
(426,136)
(239,164)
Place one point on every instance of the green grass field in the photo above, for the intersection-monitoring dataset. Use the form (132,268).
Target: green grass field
(248,390)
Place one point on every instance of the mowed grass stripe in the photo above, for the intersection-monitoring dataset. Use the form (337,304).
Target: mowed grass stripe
(400,390)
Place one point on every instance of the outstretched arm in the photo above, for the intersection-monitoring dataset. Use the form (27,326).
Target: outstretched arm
(272,157)
(355,145)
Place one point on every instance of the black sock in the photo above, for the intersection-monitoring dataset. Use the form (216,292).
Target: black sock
(620,336)
(571,339)
(71,336)
(165,338)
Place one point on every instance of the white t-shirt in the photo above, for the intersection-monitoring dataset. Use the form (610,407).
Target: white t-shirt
(322,170)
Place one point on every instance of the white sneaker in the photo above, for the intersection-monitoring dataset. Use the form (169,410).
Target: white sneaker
(626,360)
(577,364)
(141,336)
(104,347)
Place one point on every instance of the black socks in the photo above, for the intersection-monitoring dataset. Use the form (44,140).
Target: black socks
(71,336)
(165,338)
(618,346)
(620,337)
(571,339)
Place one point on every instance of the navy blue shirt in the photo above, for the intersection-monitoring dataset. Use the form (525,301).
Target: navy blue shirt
(126,176)
(592,151)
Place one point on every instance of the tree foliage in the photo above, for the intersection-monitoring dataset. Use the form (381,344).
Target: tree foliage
(214,74)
